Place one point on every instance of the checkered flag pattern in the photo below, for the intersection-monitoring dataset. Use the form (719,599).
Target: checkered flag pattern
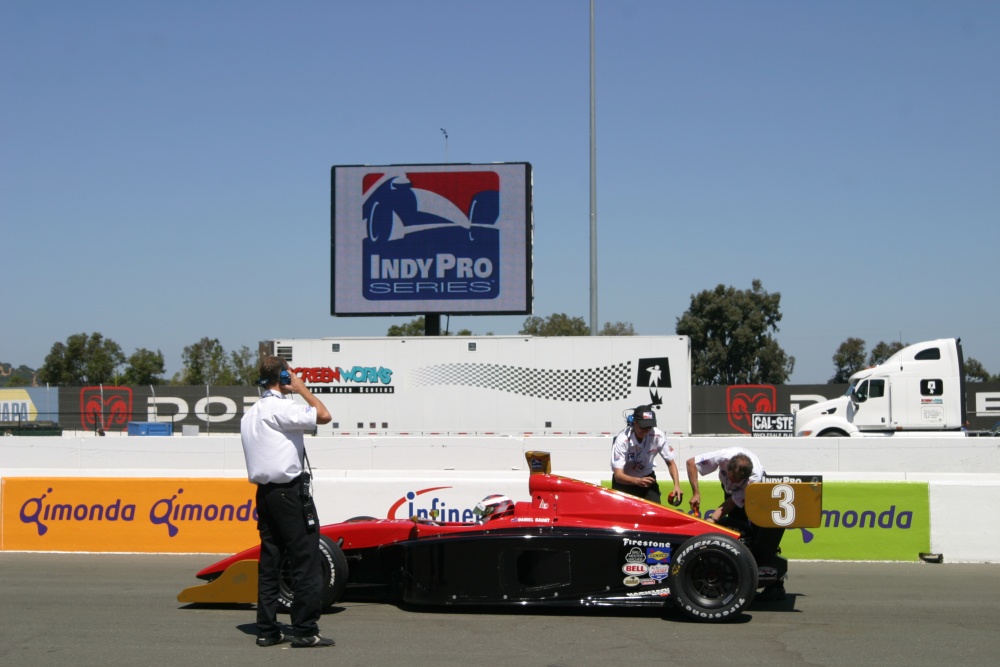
(582,385)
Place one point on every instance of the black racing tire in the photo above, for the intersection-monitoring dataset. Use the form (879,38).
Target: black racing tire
(354,519)
(713,578)
(334,565)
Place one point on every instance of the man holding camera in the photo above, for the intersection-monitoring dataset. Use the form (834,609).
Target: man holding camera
(273,436)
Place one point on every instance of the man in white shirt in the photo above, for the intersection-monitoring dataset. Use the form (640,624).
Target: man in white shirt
(633,457)
(737,467)
(273,436)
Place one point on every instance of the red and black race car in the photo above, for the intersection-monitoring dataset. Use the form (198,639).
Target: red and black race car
(573,544)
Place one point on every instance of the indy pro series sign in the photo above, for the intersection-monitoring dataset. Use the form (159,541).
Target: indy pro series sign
(431,239)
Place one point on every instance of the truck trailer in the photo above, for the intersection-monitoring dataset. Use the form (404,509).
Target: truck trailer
(494,385)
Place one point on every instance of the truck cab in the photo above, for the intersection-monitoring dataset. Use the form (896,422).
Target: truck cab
(921,388)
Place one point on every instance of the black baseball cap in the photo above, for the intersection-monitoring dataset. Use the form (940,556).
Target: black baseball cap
(644,416)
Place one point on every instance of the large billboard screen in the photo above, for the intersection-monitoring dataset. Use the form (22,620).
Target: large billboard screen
(431,239)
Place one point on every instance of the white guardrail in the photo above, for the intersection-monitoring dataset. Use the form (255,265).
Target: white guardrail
(355,474)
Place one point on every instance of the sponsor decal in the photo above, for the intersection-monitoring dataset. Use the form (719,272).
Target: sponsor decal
(867,518)
(657,555)
(16,406)
(627,541)
(654,373)
(431,235)
(631,581)
(131,515)
(743,400)
(356,380)
(636,569)
(793,479)
(635,555)
(772,425)
(430,507)
(657,592)
(107,408)
(659,572)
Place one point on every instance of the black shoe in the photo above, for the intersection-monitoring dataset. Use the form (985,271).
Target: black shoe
(270,641)
(315,641)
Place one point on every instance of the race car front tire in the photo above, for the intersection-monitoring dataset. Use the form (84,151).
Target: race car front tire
(334,576)
(713,578)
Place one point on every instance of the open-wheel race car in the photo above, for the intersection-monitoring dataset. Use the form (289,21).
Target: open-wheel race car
(573,544)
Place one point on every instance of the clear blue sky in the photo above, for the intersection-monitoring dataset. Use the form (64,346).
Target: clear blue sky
(165,166)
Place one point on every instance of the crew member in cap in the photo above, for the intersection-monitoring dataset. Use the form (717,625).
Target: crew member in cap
(633,457)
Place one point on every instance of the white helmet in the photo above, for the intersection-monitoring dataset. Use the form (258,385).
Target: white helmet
(493,507)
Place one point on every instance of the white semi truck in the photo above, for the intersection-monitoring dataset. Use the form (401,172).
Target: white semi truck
(918,390)
(494,385)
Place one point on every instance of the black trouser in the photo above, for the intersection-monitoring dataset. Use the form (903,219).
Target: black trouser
(650,493)
(763,542)
(282,527)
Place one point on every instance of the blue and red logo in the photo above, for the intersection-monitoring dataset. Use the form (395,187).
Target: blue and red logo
(431,235)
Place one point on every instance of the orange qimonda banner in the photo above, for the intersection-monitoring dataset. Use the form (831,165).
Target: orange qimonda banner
(154,515)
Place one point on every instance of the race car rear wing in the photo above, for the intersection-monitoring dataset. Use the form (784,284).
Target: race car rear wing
(786,501)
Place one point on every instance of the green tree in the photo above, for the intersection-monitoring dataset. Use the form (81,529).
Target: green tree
(976,372)
(144,368)
(617,329)
(414,327)
(83,359)
(245,365)
(848,360)
(883,351)
(205,362)
(22,376)
(557,324)
(417,327)
(731,341)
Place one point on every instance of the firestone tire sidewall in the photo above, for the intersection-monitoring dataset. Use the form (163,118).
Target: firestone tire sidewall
(734,556)
(334,569)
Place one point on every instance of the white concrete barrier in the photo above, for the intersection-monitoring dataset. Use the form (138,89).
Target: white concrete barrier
(400,475)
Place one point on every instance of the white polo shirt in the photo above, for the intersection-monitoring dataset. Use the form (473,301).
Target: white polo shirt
(272,432)
(638,457)
(719,460)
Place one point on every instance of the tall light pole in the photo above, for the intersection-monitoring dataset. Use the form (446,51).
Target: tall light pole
(593,184)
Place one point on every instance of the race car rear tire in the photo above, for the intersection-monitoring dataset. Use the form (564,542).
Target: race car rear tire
(713,578)
(334,565)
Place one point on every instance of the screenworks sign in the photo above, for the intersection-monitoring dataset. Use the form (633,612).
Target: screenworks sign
(416,239)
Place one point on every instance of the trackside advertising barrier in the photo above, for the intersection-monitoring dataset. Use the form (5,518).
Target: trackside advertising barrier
(150,515)
(861,520)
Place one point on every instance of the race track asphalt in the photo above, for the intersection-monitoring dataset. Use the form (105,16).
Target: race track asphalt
(117,610)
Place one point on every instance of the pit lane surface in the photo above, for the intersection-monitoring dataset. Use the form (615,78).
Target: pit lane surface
(82,609)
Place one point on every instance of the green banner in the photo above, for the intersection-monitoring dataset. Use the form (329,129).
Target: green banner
(861,521)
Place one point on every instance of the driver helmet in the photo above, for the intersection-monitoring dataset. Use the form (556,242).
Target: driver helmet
(493,507)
